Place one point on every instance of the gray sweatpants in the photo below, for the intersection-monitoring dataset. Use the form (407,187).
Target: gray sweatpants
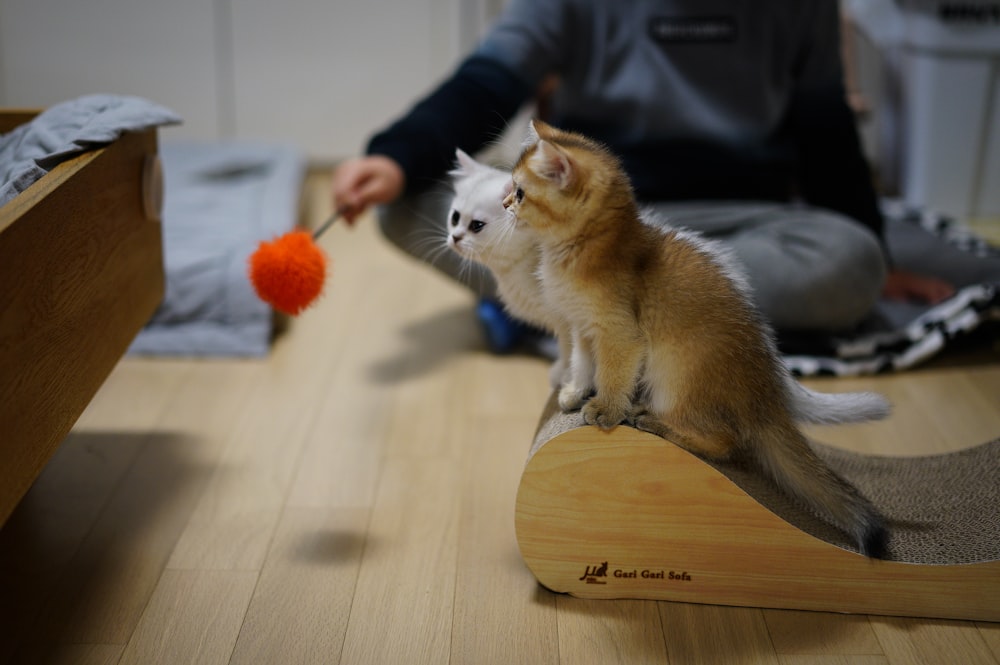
(810,269)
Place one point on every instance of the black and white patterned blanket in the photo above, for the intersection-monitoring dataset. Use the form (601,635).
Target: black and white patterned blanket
(899,336)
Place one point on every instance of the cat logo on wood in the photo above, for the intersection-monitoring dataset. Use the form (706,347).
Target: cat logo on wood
(591,575)
(595,574)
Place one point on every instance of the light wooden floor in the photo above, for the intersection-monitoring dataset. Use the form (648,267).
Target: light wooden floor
(349,499)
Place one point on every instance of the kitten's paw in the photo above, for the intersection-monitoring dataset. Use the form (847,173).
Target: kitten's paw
(605,413)
(572,398)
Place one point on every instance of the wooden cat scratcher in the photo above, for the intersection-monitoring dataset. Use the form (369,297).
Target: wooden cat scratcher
(626,514)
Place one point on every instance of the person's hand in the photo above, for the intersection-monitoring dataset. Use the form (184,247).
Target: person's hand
(911,287)
(364,181)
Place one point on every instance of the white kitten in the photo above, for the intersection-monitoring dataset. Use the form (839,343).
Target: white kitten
(480,230)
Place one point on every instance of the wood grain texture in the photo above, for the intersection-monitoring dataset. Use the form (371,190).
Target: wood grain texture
(499,616)
(382,542)
(193,617)
(931,641)
(82,271)
(624,514)
(11,118)
(821,634)
(302,603)
(612,631)
(407,577)
(712,634)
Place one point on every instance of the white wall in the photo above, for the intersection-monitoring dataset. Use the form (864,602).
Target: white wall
(59,49)
(322,74)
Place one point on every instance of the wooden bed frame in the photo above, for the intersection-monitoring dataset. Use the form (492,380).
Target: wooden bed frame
(81,271)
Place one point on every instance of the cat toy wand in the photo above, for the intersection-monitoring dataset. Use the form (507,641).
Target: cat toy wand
(288,272)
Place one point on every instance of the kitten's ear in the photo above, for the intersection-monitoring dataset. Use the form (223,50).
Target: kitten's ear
(551,163)
(541,129)
(531,138)
(464,165)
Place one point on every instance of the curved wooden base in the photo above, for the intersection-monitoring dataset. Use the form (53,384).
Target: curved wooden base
(626,514)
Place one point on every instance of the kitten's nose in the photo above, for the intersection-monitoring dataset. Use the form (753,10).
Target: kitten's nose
(507,201)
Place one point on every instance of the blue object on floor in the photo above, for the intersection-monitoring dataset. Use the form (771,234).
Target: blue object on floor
(502,332)
(505,334)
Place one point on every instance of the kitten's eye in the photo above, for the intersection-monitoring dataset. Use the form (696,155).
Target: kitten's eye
(454,217)
(519,195)
(476,226)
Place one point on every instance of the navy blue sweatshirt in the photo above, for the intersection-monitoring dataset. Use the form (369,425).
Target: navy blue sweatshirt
(701,99)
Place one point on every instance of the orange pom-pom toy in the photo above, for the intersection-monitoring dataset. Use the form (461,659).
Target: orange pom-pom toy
(288,272)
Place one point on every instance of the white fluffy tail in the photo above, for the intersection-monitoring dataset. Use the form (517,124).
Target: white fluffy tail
(815,408)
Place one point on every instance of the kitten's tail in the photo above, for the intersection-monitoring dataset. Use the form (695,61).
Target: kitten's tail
(785,454)
(815,408)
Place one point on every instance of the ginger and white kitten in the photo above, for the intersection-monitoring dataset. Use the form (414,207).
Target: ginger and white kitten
(480,230)
(669,323)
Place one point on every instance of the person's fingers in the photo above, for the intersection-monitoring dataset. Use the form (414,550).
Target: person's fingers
(372,189)
(360,183)
(347,189)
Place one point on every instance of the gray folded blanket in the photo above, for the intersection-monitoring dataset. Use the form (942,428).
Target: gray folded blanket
(30,151)
(221,198)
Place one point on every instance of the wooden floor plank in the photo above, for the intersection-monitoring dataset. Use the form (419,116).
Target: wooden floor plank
(349,498)
(302,602)
(820,633)
(932,641)
(40,543)
(839,659)
(103,590)
(99,594)
(614,631)
(501,615)
(991,635)
(235,519)
(342,454)
(194,617)
(934,411)
(706,634)
(120,404)
(404,600)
